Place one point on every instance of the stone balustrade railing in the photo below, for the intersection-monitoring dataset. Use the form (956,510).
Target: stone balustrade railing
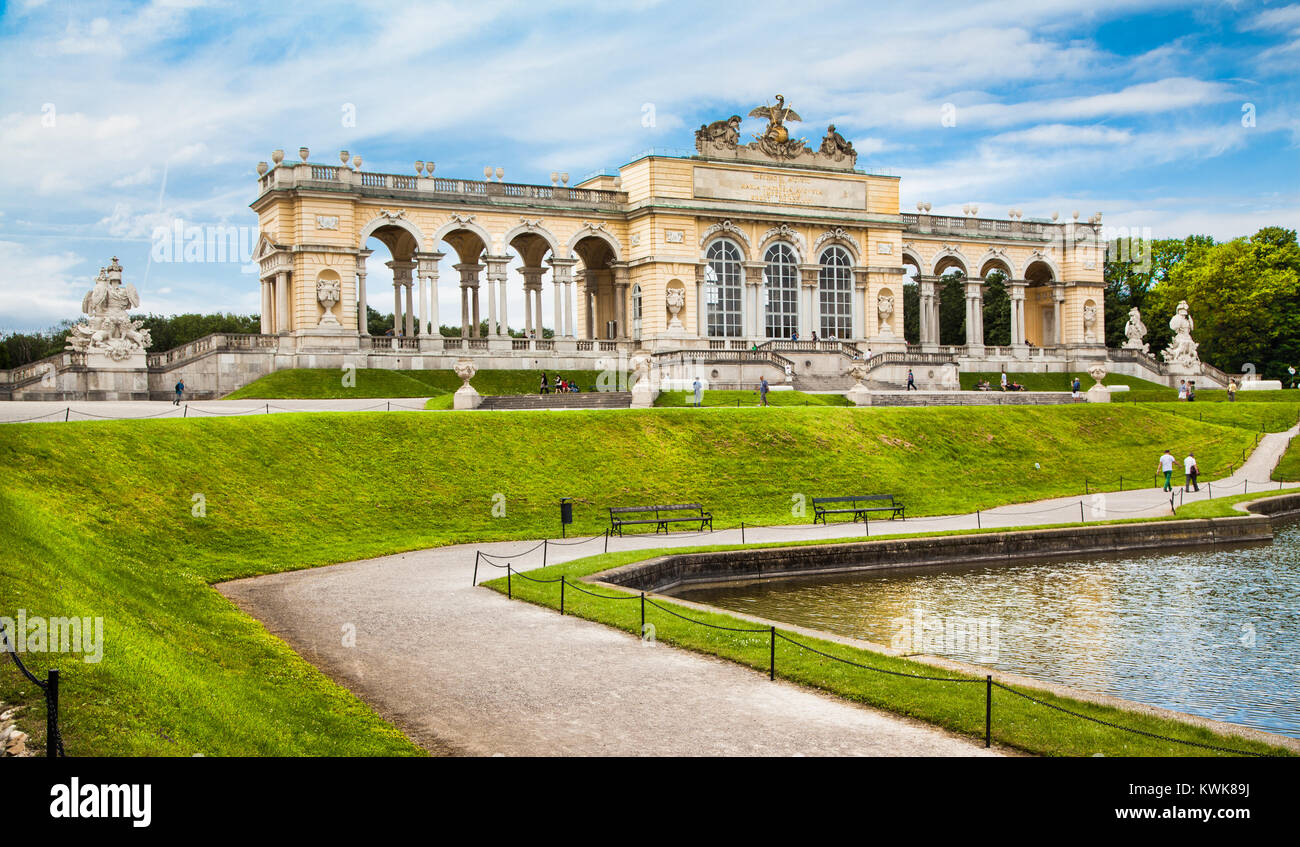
(950,225)
(338,177)
(209,343)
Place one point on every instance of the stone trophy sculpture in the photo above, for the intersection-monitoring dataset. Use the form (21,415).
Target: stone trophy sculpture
(108,334)
(643,392)
(1181,352)
(1135,332)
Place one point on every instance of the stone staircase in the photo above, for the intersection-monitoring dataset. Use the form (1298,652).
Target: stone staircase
(589,400)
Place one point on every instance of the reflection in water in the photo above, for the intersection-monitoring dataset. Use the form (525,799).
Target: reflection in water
(1213,633)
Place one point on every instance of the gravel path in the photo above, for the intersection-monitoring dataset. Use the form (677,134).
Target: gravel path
(463,670)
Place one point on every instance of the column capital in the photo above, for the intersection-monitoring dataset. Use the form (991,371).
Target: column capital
(557,262)
(428,262)
(532,277)
(810,275)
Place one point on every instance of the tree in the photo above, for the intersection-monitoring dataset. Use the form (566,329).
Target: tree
(911,313)
(1244,297)
(952,308)
(997,311)
(1132,270)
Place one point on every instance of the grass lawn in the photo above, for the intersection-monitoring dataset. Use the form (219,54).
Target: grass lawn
(957,706)
(737,399)
(1259,417)
(1055,381)
(1288,469)
(185,672)
(327,383)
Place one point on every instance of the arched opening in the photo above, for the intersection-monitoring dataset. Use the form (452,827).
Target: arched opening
(835,284)
(599,314)
(1042,318)
(467,263)
(781,282)
(724,278)
(525,278)
(951,291)
(636,312)
(997,303)
(390,263)
(911,299)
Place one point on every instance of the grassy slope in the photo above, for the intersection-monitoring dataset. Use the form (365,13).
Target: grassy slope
(327,383)
(1259,417)
(736,399)
(184,672)
(1288,469)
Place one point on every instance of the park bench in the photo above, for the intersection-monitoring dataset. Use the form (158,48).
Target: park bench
(660,516)
(860,506)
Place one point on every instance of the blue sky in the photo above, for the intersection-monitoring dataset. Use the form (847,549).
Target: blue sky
(118,117)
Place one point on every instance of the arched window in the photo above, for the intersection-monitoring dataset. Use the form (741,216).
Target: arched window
(836,284)
(722,283)
(636,311)
(782,278)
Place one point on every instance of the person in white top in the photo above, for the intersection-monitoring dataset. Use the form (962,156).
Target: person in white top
(1192,472)
(1167,468)
(1004,380)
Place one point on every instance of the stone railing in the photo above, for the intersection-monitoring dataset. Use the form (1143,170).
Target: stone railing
(365,182)
(908,357)
(950,225)
(210,343)
(41,368)
(395,343)
(741,356)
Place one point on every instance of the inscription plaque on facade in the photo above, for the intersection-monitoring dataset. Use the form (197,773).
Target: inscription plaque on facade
(785,189)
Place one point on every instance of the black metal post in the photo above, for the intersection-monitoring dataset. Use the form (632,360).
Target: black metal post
(545,547)
(186,412)
(510,592)
(52,714)
(477,554)
(771,668)
(978,525)
(67,411)
(268,408)
(606,539)
(988,710)
(1082,519)
(561,595)
(742,532)
(643,614)
(1121,482)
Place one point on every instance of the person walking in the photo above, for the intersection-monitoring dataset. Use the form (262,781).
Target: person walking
(1166,463)
(1182,389)
(1004,380)
(1191,391)
(1191,472)
(1232,390)
(699,392)
(545,389)
(762,389)
(1074,388)
(911,380)
(180,389)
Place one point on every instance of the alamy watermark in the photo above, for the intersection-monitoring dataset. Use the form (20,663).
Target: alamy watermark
(36,634)
(948,635)
(208,244)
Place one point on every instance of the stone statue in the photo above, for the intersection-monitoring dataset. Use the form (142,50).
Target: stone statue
(719,132)
(885,307)
(643,393)
(1182,350)
(108,329)
(776,140)
(328,292)
(1089,321)
(859,374)
(1135,331)
(1098,372)
(676,300)
(836,147)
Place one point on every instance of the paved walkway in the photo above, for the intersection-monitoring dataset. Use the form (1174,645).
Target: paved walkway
(464,670)
(16,411)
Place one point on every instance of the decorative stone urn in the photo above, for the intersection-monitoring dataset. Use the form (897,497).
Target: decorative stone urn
(328,292)
(1098,393)
(676,301)
(885,308)
(859,394)
(466,397)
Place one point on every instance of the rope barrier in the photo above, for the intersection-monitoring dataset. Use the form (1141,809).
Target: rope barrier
(602,596)
(1127,728)
(37,418)
(702,623)
(877,670)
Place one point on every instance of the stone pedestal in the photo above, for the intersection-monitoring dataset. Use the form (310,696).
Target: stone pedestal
(859,395)
(1099,394)
(643,396)
(466,397)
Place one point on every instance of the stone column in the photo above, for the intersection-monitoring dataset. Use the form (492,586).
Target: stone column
(497,273)
(809,307)
(363,325)
(861,318)
(533,299)
(701,308)
(428,271)
(584,320)
(751,302)
(468,298)
(557,309)
(562,274)
(975,313)
(622,282)
(1016,292)
(282,302)
(926,316)
(1058,303)
(266,307)
(403,324)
